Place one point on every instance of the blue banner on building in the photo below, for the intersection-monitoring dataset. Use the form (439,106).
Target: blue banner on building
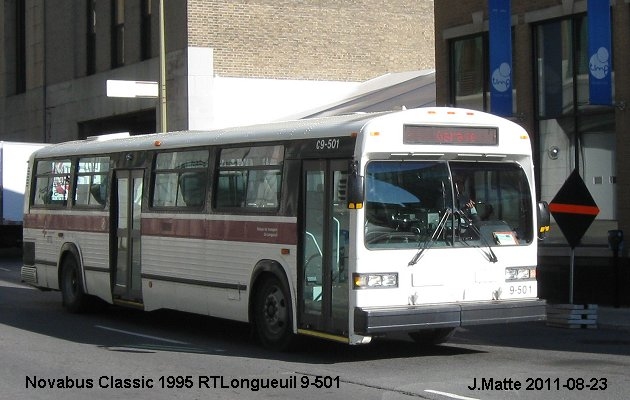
(500,16)
(599,52)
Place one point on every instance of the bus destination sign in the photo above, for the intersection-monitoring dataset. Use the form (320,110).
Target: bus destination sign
(455,135)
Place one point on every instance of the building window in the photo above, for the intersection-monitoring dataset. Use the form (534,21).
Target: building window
(90,68)
(571,132)
(20,46)
(118,33)
(145,30)
(469,71)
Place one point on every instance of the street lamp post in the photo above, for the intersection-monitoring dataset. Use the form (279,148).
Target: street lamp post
(162,93)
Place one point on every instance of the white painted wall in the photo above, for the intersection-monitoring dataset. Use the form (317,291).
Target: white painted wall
(243,101)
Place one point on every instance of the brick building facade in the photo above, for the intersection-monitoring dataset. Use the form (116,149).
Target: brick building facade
(324,40)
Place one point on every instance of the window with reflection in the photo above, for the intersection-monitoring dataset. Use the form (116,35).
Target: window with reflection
(250,177)
(468,66)
(180,179)
(92,185)
(52,182)
(413,204)
(118,33)
(470,75)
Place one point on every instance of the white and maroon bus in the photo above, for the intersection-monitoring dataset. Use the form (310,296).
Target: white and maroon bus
(344,228)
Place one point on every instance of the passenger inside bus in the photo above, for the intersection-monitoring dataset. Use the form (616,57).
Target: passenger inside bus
(464,200)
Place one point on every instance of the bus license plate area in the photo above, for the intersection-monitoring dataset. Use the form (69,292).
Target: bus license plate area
(516,290)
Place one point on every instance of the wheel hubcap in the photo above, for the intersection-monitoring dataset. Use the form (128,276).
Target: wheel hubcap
(271,310)
(274,311)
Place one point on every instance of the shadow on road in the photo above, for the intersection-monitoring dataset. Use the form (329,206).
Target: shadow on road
(126,330)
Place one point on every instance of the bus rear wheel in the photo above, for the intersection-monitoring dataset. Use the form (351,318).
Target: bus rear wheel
(73,297)
(432,336)
(273,315)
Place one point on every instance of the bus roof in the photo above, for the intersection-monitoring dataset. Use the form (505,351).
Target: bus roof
(335,126)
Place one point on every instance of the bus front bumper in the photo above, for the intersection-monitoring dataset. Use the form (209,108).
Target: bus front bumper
(377,320)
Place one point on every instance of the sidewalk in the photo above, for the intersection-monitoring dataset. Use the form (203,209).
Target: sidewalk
(613,318)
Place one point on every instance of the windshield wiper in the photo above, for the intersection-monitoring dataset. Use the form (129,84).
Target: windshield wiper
(436,233)
(490,254)
(492,257)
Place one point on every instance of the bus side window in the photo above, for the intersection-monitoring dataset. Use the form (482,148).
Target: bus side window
(263,189)
(52,182)
(192,186)
(165,193)
(249,177)
(91,181)
(231,189)
(98,192)
(180,179)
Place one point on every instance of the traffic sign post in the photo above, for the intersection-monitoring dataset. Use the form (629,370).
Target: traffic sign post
(574,210)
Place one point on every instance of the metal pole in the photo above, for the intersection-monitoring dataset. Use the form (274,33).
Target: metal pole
(617,277)
(571,267)
(163,126)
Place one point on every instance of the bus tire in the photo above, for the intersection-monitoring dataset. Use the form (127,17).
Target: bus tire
(273,314)
(432,336)
(73,296)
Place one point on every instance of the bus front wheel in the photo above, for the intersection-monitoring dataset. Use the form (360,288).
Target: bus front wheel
(73,297)
(272,314)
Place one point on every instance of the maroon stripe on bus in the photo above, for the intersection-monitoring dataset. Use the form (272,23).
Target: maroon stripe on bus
(241,231)
(79,223)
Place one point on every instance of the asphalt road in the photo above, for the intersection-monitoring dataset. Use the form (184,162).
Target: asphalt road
(118,353)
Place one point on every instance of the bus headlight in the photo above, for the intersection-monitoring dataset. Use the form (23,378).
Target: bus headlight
(520,273)
(375,280)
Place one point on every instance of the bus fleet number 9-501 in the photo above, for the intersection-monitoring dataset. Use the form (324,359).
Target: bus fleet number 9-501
(327,144)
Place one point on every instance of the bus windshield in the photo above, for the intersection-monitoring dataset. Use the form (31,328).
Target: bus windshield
(450,203)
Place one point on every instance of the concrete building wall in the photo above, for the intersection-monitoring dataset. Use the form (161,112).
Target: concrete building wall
(84,99)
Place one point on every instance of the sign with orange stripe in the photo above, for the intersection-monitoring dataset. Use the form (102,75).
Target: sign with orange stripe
(573,208)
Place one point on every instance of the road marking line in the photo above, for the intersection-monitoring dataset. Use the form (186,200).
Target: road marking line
(140,335)
(451,395)
(5,269)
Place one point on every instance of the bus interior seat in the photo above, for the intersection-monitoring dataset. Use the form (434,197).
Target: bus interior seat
(192,188)
(98,191)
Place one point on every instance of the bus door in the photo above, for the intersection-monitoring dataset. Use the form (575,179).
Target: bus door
(126,208)
(324,248)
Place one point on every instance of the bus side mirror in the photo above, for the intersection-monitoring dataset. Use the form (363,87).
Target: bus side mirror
(355,187)
(544,219)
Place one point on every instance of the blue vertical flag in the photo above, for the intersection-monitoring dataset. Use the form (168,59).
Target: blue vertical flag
(500,16)
(599,52)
